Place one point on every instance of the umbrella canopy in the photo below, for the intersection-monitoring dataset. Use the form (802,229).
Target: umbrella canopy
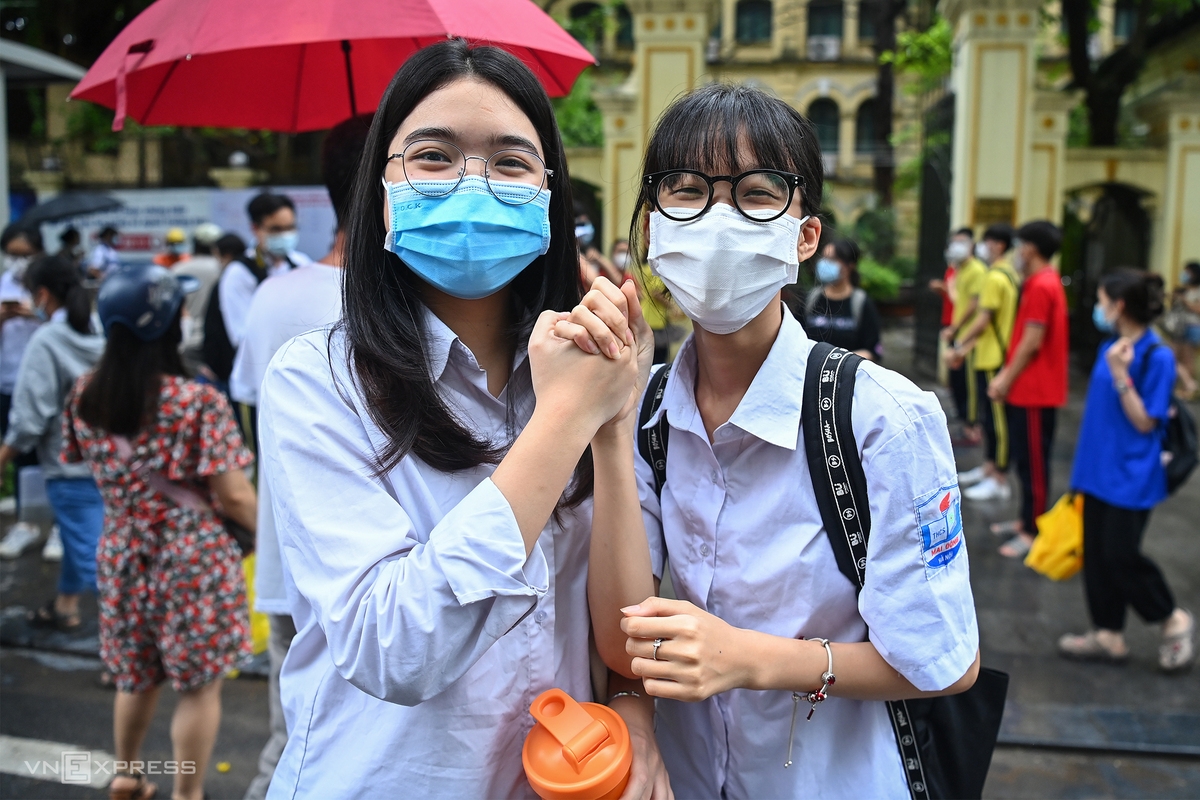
(70,204)
(300,65)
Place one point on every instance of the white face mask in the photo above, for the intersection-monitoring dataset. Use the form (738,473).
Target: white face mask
(16,265)
(983,252)
(958,251)
(722,268)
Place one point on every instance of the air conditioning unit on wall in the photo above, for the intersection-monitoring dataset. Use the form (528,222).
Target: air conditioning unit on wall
(824,48)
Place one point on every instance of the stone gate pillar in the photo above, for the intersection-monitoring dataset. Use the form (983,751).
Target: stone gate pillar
(993,81)
(670,39)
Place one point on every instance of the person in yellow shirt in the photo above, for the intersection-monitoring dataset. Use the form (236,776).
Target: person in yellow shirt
(655,301)
(968,279)
(987,340)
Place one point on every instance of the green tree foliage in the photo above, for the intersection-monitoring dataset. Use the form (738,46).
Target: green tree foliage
(579,118)
(925,56)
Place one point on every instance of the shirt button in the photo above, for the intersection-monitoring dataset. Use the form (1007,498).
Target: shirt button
(705,551)
(539,616)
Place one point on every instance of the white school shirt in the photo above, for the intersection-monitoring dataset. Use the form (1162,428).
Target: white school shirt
(423,630)
(746,543)
(237,286)
(296,302)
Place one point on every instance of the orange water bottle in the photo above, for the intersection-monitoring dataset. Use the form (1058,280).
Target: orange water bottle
(576,751)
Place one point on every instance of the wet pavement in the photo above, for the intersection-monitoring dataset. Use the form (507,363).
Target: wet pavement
(1071,730)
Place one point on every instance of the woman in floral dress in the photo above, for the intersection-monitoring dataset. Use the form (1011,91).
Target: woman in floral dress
(165,452)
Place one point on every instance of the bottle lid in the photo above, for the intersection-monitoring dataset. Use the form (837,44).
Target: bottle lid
(576,751)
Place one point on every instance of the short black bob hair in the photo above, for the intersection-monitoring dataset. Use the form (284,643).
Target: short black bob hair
(846,251)
(29,233)
(967,232)
(383,315)
(1141,291)
(705,129)
(1001,232)
(1044,235)
(264,205)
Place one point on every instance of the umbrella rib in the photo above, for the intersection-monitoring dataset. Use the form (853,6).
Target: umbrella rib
(549,73)
(162,84)
(299,79)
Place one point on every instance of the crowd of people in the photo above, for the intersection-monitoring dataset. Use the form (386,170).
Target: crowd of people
(446,419)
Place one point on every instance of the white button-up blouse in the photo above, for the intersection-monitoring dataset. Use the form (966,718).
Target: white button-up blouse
(746,543)
(423,630)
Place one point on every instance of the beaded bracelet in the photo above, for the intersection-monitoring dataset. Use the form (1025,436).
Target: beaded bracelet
(623,694)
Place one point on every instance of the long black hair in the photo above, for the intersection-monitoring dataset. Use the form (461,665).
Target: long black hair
(382,312)
(705,130)
(121,397)
(59,276)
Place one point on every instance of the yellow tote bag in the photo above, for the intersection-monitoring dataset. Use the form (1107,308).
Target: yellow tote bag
(1057,551)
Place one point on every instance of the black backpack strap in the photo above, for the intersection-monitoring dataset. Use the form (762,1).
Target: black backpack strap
(837,475)
(840,487)
(652,442)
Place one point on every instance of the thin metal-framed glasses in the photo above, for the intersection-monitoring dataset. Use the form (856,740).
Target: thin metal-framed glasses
(430,160)
(761,195)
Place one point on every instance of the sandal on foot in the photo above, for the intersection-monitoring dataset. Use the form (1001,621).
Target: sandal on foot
(1087,647)
(1177,650)
(142,790)
(1016,547)
(1010,528)
(48,617)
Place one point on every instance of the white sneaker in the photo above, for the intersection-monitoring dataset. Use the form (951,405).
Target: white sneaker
(972,476)
(53,550)
(8,505)
(18,540)
(989,489)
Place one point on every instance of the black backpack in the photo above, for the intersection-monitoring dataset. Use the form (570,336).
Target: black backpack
(1180,445)
(218,351)
(945,743)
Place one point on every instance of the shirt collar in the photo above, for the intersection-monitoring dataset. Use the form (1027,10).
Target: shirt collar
(770,409)
(59,315)
(440,341)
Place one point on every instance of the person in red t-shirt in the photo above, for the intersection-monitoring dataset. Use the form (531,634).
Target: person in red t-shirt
(1033,382)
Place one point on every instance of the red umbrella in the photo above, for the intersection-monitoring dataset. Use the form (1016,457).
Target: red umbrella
(301,65)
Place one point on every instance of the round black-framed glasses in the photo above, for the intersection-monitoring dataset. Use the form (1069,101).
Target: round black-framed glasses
(432,161)
(683,195)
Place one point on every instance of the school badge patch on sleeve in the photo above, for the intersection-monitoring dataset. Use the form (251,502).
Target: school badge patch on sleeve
(939,515)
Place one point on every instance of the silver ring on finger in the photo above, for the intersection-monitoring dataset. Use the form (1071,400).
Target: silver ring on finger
(657,644)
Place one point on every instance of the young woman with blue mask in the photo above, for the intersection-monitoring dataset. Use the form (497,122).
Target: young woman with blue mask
(1119,469)
(731,184)
(427,456)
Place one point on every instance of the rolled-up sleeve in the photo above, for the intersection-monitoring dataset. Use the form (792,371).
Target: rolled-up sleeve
(404,614)
(917,600)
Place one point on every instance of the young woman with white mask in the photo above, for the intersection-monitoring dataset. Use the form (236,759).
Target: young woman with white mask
(732,182)
(433,520)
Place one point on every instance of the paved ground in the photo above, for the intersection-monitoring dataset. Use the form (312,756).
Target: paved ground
(1071,730)
(1105,714)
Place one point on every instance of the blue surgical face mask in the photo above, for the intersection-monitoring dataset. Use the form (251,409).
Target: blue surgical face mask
(280,244)
(585,232)
(1102,322)
(828,270)
(40,313)
(467,243)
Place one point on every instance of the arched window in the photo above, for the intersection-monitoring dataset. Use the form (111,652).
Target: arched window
(1124,19)
(824,116)
(825,18)
(866,20)
(624,28)
(754,22)
(864,128)
(587,24)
